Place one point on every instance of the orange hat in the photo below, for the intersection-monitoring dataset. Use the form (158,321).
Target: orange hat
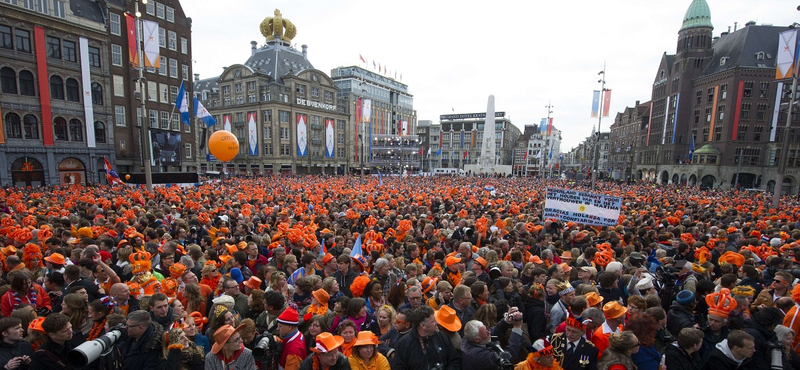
(721,304)
(565,268)
(327,342)
(253,283)
(447,318)
(575,322)
(8,250)
(566,255)
(222,335)
(481,261)
(428,283)
(732,258)
(366,338)
(199,320)
(360,260)
(176,270)
(328,257)
(593,298)
(169,287)
(536,259)
(322,296)
(449,261)
(613,309)
(56,259)
(140,262)
(36,324)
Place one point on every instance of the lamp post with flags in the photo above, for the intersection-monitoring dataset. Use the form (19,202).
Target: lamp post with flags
(596,161)
(145,120)
(786,53)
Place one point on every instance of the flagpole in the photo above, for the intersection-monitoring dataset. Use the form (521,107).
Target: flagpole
(596,162)
(145,138)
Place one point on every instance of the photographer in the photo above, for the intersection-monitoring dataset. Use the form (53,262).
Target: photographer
(762,328)
(141,350)
(15,352)
(479,352)
(425,348)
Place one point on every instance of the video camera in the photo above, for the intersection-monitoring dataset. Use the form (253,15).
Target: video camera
(500,357)
(90,351)
(267,351)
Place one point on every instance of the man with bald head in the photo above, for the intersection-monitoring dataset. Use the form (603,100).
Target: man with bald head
(125,303)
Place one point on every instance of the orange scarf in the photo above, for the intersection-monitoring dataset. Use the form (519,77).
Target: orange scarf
(454,277)
(533,365)
(347,348)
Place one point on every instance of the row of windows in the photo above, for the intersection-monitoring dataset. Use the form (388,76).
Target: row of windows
(55,47)
(55,8)
(28,128)
(59,90)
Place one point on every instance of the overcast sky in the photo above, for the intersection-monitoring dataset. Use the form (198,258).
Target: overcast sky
(453,54)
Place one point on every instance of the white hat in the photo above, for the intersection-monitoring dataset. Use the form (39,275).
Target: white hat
(645,284)
(224,299)
(775,242)
(614,266)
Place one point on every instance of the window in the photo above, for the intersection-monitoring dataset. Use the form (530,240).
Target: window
(705,134)
(75,130)
(119,87)
(723,91)
(31,126)
(151,7)
(758,130)
(267,148)
(6,40)
(710,94)
(314,92)
(53,47)
(720,113)
(267,116)
(238,87)
(115,25)
(119,115)
(328,97)
(8,80)
(138,116)
(56,88)
(152,91)
(170,15)
(23,40)
(187,148)
(13,126)
(267,132)
(717,133)
(173,68)
(251,86)
(696,116)
(163,92)
(26,85)
(165,117)
(283,116)
(762,92)
(60,129)
(761,111)
(58,9)
(173,93)
(748,89)
(184,46)
(94,57)
(745,114)
(226,90)
(116,55)
(301,89)
(284,133)
(162,37)
(176,122)
(172,40)
(69,51)
(708,115)
(252,98)
(184,72)
(100,132)
(285,149)
(73,90)
(160,10)
(741,134)
(163,64)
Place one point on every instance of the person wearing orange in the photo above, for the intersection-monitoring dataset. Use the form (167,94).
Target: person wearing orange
(228,351)
(615,317)
(365,355)
(24,290)
(326,355)
(540,357)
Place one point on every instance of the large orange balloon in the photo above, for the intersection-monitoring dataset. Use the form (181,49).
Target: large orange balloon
(223,145)
(127,177)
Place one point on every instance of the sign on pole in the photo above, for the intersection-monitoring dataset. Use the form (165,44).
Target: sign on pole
(582,207)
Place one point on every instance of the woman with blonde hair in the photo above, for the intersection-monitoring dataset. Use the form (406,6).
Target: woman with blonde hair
(487,314)
(385,318)
(77,309)
(365,355)
(620,348)
(277,282)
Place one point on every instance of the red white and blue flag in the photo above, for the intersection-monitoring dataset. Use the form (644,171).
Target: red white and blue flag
(111,175)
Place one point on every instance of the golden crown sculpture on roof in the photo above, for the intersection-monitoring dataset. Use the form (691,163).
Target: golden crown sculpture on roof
(278,27)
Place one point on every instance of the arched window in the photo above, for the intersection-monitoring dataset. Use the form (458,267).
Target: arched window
(100,132)
(8,80)
(56,88)
(60,129)
(13,127)
(26,84)
(31,126)
(75,132)
(97,93)
(73,90)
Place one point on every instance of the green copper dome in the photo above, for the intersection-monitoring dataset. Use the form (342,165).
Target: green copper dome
(698,15)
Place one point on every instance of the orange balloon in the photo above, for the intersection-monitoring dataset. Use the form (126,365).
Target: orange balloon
(223,145)
(127,177)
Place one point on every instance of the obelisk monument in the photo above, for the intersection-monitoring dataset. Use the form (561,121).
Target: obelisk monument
(487,162)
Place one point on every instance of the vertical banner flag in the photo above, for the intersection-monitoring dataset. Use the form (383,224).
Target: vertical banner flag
(552,143)
(302,139)
(329,140)
(429,151)
(252,137)
(405,128)
(111,175)
(675,117)
(666,119)
(550,126)
(358,121)
(462,139)
(776,110)
(595,103)
(543,126)
(44,87)
(201,113)
(441,144)
(606,102)
(86,77)
(474,137)
(787,45)
(133,40)
(691,149)
(366,110)
(226,122)
(466,153)
(182,102)
(151,48)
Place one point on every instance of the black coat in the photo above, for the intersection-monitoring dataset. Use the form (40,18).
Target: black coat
(679,317)
(438,350)
(718,361)
(9,351)
(388,344)
(536,317)
(145,353)
(678,359)
(761,358)
(584,357)
(52,356)
(710,340)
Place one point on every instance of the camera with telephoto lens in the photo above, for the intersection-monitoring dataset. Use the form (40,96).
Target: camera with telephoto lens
(90,351)
(500,357)
(437,366)
(267,351)
(776,355)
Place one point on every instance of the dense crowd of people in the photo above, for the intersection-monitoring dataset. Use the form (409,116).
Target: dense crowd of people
(404,273)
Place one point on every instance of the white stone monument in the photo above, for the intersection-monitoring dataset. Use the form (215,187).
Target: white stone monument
(488,162)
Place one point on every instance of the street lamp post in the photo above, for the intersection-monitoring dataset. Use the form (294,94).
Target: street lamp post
(739,168)
(596,162)
(145,121)
(784,158)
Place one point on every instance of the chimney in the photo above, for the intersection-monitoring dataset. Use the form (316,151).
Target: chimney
(751,23)
(735,26)
(196,77)
(729,29)
(637,103)
(253,46)
(305,51)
